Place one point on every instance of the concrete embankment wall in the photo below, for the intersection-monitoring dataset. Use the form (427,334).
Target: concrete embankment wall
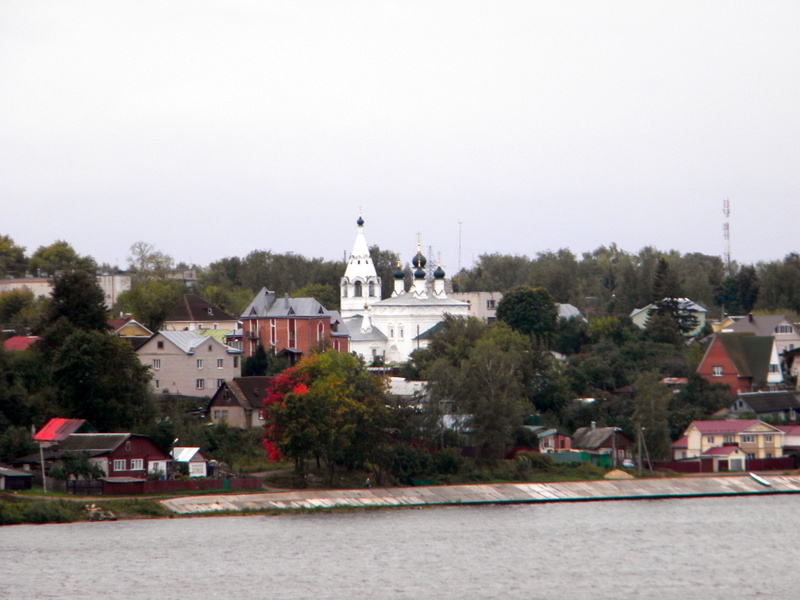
(519,493)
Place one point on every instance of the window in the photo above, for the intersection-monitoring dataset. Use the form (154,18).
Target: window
(119,464)
(400,334)
(716,371)
(490,305)
(773,368)
(273,332)
(320,332)
(748,439)
(156,364)
(210,348)
(220,383)
(728,439)
(160,345)
(262,415)
(371,289)
(224,414)
(220,363)
(357,289)
(137,464)
(783,329)
(750,456)
(391,333)
(235,362)
(768,439)
(710,439)
(292,333)
(216,414)
(200,384)
(199,363)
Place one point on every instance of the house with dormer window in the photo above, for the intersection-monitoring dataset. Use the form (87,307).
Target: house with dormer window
(291,326)
(193,312)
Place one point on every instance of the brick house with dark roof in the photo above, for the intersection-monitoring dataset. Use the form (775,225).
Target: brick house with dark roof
(743,362)
(239,402)
(291,326)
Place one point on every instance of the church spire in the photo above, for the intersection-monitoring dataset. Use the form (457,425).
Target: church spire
(360,283)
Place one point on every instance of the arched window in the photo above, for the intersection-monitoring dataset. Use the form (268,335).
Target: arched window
(357,289)
(320,332)
(371,289)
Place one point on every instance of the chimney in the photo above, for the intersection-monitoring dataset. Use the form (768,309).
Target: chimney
(750,317)
(594,424)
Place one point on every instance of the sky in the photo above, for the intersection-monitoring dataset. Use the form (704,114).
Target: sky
(212,129)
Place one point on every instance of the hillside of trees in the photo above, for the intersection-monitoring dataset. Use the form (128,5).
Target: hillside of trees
(604,355)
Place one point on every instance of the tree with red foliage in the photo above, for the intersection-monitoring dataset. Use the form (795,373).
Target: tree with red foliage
(327,407)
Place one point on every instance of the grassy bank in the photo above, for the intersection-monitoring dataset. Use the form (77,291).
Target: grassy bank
(18,509)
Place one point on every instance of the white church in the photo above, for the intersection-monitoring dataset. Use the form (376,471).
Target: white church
(390,329)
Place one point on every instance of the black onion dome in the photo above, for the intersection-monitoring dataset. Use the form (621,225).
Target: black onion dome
(360,221)
(419,274)
(439,272)
(398,273)
(419,261)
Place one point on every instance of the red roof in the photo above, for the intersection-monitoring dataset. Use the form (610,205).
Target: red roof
(117,324)
(681,443)
(20,342)
(58,429)
(789,429)
(718,427)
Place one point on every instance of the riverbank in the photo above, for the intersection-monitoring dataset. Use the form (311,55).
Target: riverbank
(506,493)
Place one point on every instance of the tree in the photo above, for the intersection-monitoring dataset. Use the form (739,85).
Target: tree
(665,284)
(530,311)
(59,256)
(12,258)
(385,262)
(145,262)
(329,407)
(651,401)
(263,363)
(79,300)
(20,310)
(99,377)
(150,302)
(322,293)
(493,390)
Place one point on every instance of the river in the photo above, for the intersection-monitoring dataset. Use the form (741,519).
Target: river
(709,548)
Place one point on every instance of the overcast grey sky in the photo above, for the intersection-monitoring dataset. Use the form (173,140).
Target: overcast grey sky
(211,129)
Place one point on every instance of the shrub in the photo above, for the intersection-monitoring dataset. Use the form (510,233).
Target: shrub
(448,461)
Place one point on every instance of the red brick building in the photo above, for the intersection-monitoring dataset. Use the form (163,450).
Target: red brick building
(292,326)
(743,362)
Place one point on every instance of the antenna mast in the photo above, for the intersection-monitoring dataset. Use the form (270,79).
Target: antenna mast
(459,245)
(726,232)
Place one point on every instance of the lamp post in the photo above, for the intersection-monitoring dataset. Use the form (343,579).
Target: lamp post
(614,446)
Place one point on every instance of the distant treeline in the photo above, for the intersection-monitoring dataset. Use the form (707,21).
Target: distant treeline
(606,281)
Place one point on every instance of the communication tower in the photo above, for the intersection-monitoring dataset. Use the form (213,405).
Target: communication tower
(726,232)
